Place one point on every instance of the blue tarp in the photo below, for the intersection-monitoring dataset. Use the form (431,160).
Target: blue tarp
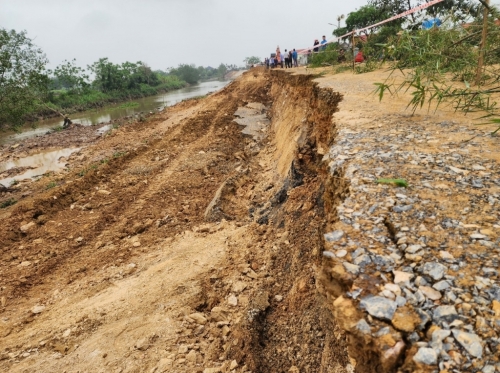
(430,23)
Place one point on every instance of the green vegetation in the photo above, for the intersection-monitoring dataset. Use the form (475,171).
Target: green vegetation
(188,73)
(71,90)
(7,203)
(441,66)
(395,182)
(29,90)
(57,128)
(23,82)
(435,65)
(363,17)
(192,74)
(126,105)
(253,60)
(85,170)
(119,154)
(461,9)
(51,185)
(327,57)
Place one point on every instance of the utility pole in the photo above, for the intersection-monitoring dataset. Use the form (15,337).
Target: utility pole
(480,62)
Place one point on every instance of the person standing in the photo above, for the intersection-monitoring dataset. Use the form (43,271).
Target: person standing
(316,42)
(286,59)
(290,58)
(323,43)
(359,57)
(295,56)
(282,59)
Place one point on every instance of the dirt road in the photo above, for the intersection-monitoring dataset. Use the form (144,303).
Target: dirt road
(121,267)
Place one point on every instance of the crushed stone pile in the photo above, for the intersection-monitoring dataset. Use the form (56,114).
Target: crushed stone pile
(418,265)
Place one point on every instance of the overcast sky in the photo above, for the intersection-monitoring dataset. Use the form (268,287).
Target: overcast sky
(165,33)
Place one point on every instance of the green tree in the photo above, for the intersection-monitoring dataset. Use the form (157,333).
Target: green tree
(222,70)
(107,76)
(188,73)
(461,9)
(71,77)
(253,60)
(363,17)
(23,77)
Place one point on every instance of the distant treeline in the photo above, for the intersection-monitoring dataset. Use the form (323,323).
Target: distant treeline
(29,90)
(71,88)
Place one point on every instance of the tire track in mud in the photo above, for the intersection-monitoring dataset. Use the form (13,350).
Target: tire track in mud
(286,325)
(110,218)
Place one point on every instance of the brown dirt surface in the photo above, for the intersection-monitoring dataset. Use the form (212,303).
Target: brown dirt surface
(119,266)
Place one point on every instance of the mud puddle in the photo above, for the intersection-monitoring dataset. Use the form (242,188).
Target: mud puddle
(36,165)
(104,129)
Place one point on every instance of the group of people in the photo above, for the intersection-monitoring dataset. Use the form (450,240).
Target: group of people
(323,44)
(289,59)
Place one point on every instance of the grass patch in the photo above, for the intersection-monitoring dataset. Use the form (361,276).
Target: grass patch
(14,182)
(7,203)
(395,182)
(51,185)
(126,105)
(119,154)
(85,170)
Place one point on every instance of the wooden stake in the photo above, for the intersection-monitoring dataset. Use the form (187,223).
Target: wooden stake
(480,62)
(353,56)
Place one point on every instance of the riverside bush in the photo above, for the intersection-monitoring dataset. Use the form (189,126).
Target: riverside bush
(71,101)
(441,65)
(326,57)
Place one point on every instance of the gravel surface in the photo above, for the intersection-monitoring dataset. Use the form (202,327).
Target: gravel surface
(420,263)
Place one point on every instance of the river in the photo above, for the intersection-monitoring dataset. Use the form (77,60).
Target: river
(119,110)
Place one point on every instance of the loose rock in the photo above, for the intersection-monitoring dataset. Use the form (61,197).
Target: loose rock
(471,342)
(379,307)
(425,356)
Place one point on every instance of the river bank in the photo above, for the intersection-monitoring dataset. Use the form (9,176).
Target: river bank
(245,232)
(111,113)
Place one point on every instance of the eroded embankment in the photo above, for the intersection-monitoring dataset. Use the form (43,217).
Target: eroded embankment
(287,326)
(408,273)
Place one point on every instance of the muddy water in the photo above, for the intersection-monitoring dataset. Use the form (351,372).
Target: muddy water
(37,164)
(106,114)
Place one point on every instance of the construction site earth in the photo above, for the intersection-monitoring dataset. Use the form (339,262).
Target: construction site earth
(246,232)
